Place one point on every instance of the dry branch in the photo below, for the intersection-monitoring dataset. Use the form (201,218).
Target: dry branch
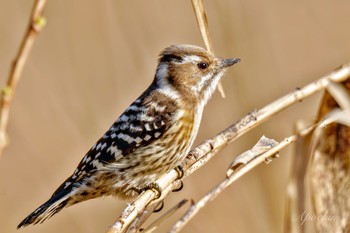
(208,149)
(235,175)
(202,21)
(36,23)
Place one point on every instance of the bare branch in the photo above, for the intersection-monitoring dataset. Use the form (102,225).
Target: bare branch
(211,195)
(208,149)
(36,24)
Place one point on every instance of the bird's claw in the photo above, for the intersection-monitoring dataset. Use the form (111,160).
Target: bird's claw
(180,186)
(159,207)
(180,172)
(155,188)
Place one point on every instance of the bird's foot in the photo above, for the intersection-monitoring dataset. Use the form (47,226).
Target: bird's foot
(159,207)
(180,172)
(179,187)
(155,188)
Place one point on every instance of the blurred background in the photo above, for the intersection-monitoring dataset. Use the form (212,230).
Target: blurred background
(94,58)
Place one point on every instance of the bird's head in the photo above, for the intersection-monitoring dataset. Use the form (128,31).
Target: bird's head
(190,73)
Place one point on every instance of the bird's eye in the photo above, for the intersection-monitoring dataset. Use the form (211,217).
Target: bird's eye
(202,65)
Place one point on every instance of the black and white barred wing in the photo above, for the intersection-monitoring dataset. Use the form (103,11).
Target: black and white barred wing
(137,127)
(142,124)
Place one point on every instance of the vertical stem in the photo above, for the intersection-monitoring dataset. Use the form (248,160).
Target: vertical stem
(36,23)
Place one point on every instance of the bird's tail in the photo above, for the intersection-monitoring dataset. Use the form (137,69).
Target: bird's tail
(56,203)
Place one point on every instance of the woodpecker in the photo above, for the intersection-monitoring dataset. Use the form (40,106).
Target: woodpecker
(151,137)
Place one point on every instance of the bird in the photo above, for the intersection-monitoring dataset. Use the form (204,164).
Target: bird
(151,137)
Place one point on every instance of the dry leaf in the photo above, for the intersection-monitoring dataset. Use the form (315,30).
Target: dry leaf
(329,167)
(263,145)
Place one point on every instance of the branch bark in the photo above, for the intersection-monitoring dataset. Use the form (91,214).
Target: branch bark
(36,24)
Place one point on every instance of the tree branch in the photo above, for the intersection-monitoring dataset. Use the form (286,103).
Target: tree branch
(36,24)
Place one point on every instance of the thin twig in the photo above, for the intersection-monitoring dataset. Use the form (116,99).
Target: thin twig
(212,194)
(153,226)
(202,21)
(144,215)
(36,24)
(208,149)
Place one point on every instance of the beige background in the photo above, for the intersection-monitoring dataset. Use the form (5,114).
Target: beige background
(95,57)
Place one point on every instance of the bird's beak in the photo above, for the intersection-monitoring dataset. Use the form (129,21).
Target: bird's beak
(224,63)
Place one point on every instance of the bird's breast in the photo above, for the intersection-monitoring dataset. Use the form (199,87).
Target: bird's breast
(172,147)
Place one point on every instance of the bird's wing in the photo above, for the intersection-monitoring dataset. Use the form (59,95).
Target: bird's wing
(141,124)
